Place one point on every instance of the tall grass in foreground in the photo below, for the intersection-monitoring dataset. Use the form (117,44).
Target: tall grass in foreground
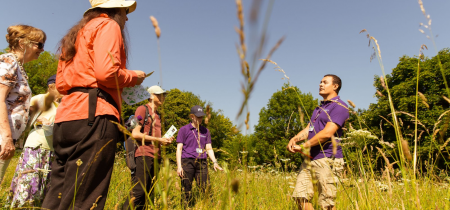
(269,187)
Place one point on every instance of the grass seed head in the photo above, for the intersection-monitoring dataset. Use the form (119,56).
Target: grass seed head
(156,26)
(351,103)
(405,149)
(383,84)
(380,94)
(447,99)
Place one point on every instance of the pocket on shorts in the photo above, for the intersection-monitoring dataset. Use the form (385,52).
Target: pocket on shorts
(337,170)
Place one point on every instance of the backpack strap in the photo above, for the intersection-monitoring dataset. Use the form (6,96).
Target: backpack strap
(147,115)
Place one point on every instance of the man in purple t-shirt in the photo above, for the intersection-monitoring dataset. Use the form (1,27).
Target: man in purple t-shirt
(321,138)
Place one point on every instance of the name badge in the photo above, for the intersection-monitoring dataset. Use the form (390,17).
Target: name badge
(199,151)
(311,128)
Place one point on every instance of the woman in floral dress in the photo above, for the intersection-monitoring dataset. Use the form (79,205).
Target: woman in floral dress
(25,44)
(32,174)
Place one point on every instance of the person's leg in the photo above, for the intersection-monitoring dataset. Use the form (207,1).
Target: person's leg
(328,172)
(84,162)
(304,189)
(201,175)
(149,178)
(138,180)
(186,181)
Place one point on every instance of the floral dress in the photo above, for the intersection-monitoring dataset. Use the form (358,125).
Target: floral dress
(32,176)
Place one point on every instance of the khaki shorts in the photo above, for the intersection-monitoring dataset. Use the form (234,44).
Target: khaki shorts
(321,173)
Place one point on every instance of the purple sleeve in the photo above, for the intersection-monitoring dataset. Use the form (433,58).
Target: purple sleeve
(339,115)
(208,138)
(181,135)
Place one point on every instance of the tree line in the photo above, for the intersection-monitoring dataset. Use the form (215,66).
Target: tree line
(288,111)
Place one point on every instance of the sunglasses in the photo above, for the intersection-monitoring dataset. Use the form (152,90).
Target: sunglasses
(127,11)
(40,45)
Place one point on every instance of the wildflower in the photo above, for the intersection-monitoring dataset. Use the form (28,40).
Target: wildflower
(285,160)
(243,152)
(79,162)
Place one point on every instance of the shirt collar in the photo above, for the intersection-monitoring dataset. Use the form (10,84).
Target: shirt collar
(322,102)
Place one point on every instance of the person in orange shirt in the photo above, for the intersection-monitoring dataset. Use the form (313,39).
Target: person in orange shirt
(91,73)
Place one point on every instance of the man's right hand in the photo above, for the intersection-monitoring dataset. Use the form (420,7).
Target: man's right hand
(292,143)
(140,75)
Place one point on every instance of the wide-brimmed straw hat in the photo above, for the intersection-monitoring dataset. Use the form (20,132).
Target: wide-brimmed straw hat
(131,5)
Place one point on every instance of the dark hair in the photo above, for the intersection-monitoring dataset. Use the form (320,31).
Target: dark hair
(67,48)
(336,81)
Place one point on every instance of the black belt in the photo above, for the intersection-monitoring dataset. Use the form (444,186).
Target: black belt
(93,94)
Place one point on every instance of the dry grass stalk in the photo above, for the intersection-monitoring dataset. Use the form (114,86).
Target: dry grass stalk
(94,205)
(383,84)
(289,122)
(444,145)
(401,121)
(447,99)
(277,68)
(422,97)
(405,149)
(156,26)
(302,116)
(380,94)
(208,114)
(351,103)
(247,120)
(334,143)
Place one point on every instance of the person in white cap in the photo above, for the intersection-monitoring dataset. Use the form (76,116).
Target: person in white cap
(148,134)
(91,74)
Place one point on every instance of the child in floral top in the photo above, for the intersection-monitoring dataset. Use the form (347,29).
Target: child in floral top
(32,175)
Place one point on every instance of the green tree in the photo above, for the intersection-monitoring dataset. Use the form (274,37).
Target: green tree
(39,71)
(175,111)
(402,84)
(282,118)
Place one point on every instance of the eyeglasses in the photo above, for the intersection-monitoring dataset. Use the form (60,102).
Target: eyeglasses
(40,45)
(127,11)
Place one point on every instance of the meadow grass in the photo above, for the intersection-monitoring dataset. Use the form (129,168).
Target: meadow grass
(268,187)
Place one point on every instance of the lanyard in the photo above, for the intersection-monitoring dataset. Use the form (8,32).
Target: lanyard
(198,139)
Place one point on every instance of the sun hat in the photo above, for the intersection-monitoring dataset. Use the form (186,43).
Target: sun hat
(197,111)
(131,5)
(155,89)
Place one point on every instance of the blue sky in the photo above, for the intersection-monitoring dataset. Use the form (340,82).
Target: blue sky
(198,42)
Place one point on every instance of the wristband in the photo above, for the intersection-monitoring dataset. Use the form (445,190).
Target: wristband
(215,162)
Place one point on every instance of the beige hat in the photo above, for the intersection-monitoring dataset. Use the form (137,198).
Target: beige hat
(131,5)
(155,89)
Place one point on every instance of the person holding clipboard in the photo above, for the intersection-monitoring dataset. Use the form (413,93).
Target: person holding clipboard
(193,143)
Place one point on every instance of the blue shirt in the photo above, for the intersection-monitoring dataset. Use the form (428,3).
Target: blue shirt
(336,111)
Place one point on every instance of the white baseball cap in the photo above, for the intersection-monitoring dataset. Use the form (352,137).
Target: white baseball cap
(155,89)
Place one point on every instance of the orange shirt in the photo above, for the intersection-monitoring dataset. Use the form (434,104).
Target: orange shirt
(92,67)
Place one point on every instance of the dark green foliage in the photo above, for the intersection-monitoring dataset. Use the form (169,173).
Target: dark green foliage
(280,121)
(402,83)
(175,111)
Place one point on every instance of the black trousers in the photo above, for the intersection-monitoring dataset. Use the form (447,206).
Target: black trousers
(143,177)
(194,169)
(84,159)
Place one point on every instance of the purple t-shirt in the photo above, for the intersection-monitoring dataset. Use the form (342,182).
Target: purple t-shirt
(338,114)
(188,135)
